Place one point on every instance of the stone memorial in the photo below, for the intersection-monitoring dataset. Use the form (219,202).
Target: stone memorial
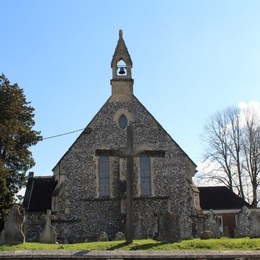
(48,234)
(226,232)
(212,224)
(186,225)
(103,236)
(155,227)
(207,235)
(169,228)
(242,228)
(119,236)
(12,233)
(138,234)
(254,224)
(130,153)
(2,237)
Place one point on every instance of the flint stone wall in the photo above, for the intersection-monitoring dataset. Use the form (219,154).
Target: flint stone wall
(81,214)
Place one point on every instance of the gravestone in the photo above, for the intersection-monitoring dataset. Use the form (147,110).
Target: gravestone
(138,228)
(185,225)
(48,234)
(103,236)
(2,237)
(212,224)
(12,233)
(242,228)
(169,228)
(207,235)
(155,227)
(254,224)
(119,236)
(226,232)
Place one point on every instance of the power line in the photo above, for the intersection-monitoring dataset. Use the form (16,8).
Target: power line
(54,136)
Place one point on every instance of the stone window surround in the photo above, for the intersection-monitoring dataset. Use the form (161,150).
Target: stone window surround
(145,175)
(122,177)
(152,173)
(111,162)
(129,117)
(121,112)
(104,176)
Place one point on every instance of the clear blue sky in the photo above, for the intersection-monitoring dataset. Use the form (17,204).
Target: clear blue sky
(190,59)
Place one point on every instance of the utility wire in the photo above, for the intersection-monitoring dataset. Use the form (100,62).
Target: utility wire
(54,136)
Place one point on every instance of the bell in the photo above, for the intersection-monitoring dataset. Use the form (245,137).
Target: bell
(121,71)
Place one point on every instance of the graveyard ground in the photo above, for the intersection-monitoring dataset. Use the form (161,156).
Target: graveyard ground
(149,245)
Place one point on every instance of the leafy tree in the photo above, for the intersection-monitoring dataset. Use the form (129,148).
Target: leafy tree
(232,139)
(16,137)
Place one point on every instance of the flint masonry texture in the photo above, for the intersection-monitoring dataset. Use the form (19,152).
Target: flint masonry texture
(81,213)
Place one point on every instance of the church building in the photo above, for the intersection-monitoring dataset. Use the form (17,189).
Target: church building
(91,181)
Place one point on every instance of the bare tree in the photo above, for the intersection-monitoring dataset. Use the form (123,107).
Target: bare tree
(218,150)
(234,135)
(251,152)
(232,139)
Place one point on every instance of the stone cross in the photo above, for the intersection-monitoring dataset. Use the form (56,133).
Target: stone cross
(212,224)
(48,234)
(130,153)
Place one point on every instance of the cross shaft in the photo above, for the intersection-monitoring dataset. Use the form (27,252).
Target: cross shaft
(129,153)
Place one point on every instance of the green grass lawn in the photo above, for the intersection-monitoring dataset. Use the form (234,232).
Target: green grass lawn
(149,245)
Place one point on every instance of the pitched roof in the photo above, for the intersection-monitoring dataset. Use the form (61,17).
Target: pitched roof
(121,52)
(38,193)
(220,197)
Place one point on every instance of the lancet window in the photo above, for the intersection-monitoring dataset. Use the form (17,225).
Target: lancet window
(145,175)
(104,176)
(121,68)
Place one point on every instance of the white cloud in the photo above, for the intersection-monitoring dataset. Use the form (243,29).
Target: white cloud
(249,110)
(252,105)
(204,170)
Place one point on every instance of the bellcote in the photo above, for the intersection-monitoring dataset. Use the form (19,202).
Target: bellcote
(121,64)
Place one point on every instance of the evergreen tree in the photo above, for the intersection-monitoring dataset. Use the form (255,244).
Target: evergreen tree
(16,137)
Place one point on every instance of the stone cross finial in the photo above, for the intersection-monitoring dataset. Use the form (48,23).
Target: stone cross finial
(120,34)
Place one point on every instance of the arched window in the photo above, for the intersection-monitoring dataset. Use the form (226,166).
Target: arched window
(121,68)
(122,121)
(104,178)
(145,175)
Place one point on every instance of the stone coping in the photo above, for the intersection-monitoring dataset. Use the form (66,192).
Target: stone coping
(120,255)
